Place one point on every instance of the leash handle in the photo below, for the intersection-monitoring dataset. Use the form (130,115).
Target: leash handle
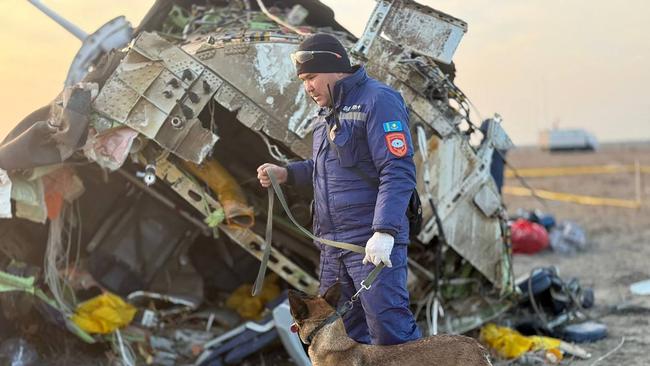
(366,284)
(259,281)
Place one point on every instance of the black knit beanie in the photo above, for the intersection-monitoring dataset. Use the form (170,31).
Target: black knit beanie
(324,62)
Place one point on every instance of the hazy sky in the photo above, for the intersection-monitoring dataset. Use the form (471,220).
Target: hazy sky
(574,63)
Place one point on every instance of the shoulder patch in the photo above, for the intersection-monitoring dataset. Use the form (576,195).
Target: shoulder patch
(396,143)
(393,126)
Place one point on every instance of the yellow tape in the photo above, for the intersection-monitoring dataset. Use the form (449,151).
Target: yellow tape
(567,197)
(575,170)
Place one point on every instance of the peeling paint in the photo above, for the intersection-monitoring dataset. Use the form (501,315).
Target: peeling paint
(274,67)
(299,115)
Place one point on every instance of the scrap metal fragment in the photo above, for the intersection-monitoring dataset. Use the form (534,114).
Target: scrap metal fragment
(246,238)
(263,88)
(420,28)
(457,179)
(158,90)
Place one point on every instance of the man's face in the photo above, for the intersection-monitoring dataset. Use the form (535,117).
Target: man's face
(316,86)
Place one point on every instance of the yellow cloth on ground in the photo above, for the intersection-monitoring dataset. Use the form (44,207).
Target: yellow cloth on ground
(511,344)
(249,306)
(103,314)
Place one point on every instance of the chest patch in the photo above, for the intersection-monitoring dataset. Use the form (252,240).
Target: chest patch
(396,143)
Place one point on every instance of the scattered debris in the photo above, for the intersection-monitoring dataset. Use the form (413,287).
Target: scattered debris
(567,238)
(148,253)
(18,352)
(528,237)
(641,287)
(508,343)
(103,314)
(589,331)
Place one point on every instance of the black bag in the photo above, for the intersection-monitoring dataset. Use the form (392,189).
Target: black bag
(414,214)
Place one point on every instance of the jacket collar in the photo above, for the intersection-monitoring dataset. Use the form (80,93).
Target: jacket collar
(343,87)
(347,84)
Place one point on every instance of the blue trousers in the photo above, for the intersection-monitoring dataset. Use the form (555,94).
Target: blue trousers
(382,315)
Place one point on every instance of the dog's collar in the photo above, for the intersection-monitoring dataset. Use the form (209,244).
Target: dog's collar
(329,320)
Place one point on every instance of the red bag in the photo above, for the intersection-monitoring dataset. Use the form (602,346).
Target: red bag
(528,237)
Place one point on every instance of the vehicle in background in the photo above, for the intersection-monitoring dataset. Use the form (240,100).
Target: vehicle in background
(567,140)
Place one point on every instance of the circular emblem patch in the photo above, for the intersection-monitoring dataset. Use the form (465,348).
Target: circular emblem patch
(396,143)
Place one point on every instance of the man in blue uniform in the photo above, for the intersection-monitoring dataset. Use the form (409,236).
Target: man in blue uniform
(363,174)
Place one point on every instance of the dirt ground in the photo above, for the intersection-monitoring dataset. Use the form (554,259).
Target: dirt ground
(619,242)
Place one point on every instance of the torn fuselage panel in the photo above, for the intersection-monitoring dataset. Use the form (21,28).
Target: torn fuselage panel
(261,83)
(159,90)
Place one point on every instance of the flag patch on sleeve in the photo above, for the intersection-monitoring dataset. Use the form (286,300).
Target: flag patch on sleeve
(396,143)
(392,126)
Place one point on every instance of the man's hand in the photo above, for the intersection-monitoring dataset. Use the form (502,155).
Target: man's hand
(378,249)
(279,172)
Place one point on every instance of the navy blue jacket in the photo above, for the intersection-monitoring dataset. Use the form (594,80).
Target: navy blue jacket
(373,135)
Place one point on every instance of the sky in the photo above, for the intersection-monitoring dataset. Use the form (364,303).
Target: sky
(538,63)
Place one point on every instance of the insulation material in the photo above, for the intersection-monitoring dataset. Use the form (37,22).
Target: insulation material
(228,191)
(30,199)
(110,148)
(59,186)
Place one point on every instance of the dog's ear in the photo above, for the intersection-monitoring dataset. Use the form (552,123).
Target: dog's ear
(297,306)
(333,294)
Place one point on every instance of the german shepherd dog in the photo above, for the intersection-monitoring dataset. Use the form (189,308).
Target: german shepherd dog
(318,324)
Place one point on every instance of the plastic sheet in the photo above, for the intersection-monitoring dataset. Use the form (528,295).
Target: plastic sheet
(509,343)
(103,314)
(567,238)
(528,237)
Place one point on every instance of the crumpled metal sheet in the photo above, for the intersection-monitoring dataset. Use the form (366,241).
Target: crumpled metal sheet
(422,29)
(384,64)
(261,84)
(246,238)
(456,181)
(457,178)
(159,90)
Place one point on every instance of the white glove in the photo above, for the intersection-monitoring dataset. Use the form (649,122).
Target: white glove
(378,249)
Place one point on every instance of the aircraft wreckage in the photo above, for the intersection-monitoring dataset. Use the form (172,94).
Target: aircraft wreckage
(138,181)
